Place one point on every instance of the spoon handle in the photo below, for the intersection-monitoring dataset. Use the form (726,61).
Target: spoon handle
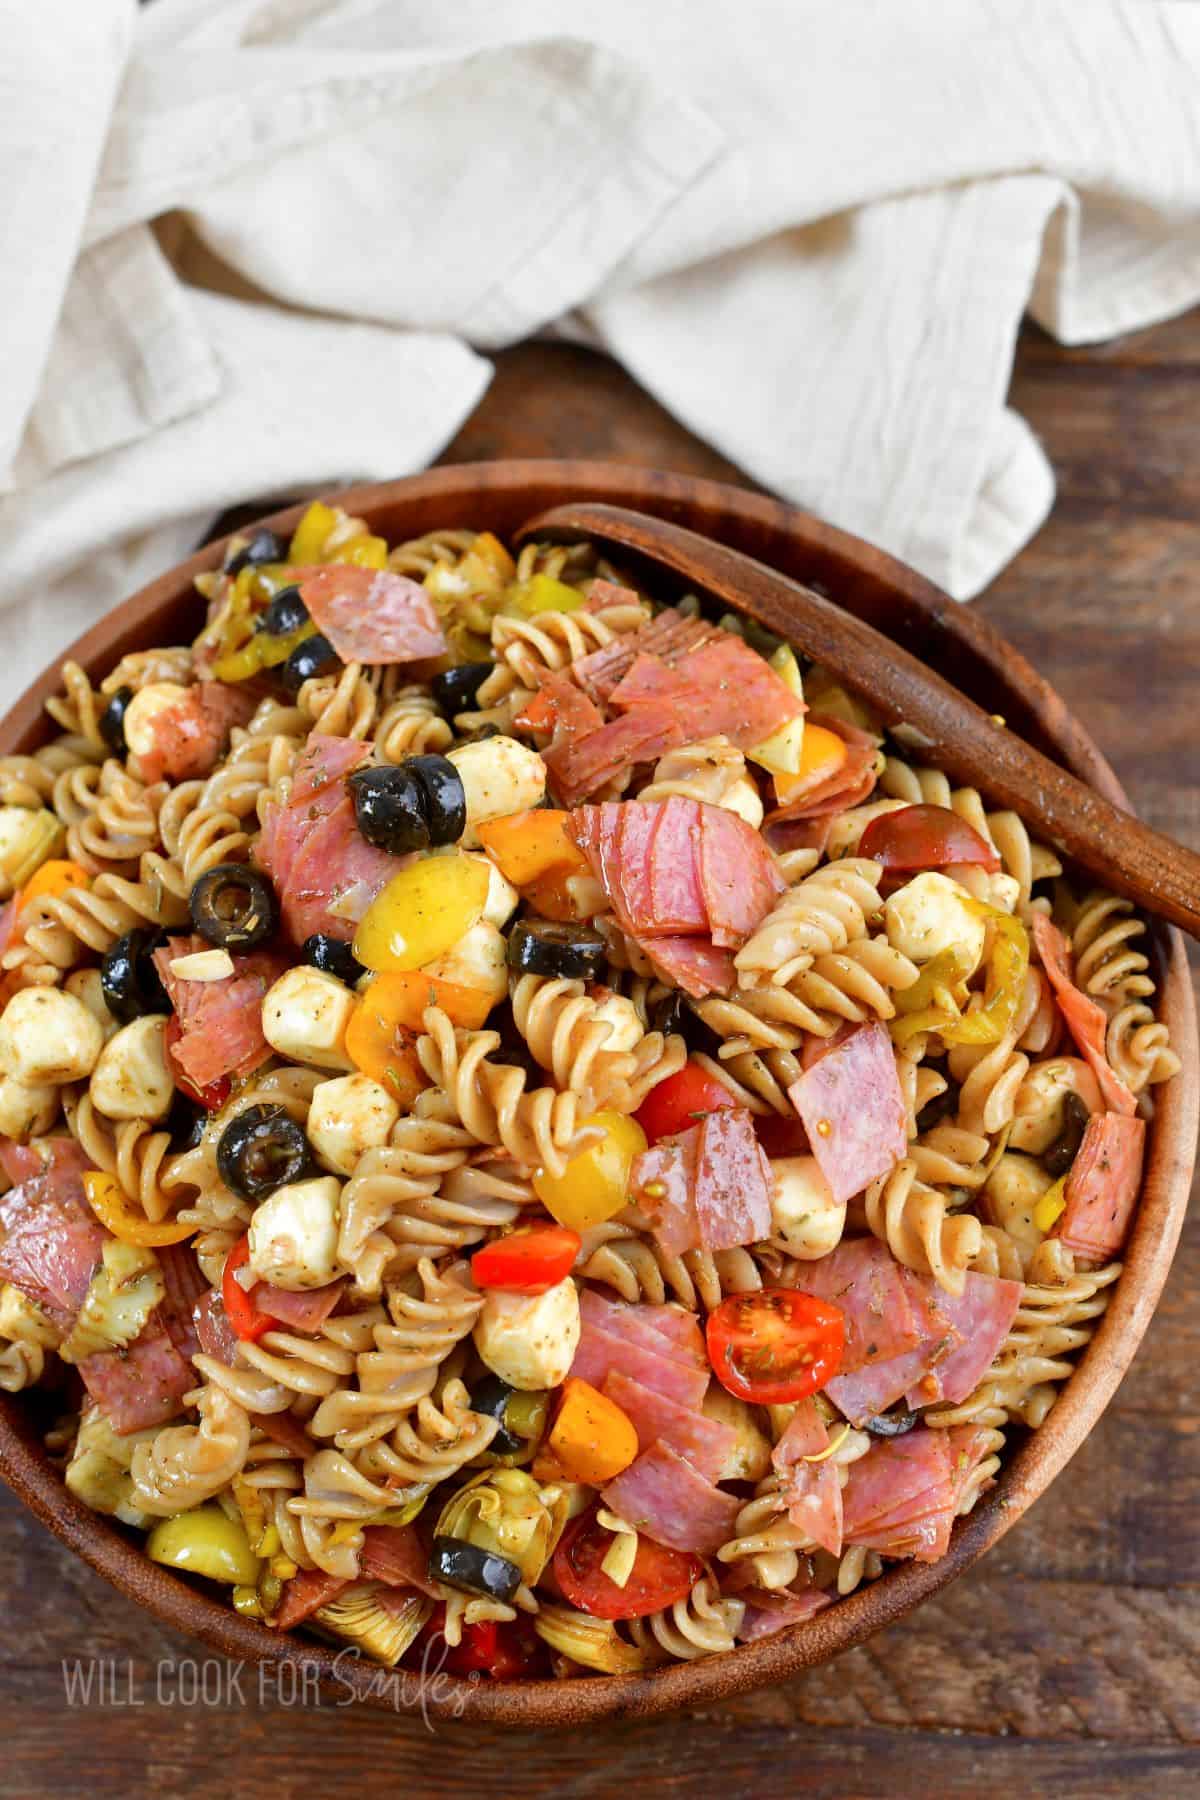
(946,728)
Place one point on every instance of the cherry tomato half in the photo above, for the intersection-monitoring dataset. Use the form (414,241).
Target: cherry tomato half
(659,1576)
(211,1098)
(247,1322)
(527,1261)
(925,837)
(775,1345)
(505,1651)
(681,1101)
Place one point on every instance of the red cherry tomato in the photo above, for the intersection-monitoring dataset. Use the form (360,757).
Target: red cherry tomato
(504,1651)
(659,1577)
(924,837)
(775,1345)
(527,1261)
(248,1323)
(681,1101)
(213,1097)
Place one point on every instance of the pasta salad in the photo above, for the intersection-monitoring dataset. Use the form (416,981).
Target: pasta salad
(531,1130)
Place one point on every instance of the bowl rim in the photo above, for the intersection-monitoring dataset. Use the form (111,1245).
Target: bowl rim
(775,532)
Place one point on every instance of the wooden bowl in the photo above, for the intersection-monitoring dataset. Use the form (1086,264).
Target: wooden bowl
(956,641)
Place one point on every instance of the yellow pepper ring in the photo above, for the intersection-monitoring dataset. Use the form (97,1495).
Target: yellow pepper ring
(111,1206)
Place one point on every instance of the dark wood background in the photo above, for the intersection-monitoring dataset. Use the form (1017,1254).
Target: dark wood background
(1069,1661)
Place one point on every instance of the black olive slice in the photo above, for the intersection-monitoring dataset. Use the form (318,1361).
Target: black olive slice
(315,656)
(389,808)
(456,690)
(128,979)
(286,613)
(445,796)
(491,1398)
(185,1121)
(111,723)
(1065,1148)
(544,947)
(674,1018)
(263,547)
(262,1149)
(233,906)
(475,1571)
(332,957)
(891,1424)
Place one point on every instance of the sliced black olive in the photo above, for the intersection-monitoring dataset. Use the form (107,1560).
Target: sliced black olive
(674,1018)
(445,796)
(111,723)
(315,656)
(544,947)
(185,1122)
(264,547)
(513,1050)
(1065,1148)
(129,980)
(389,808)
(332,957)
(491,1398)
(474,1571)
(286,613)
(891,1424)
(261,1149)
(233,906)
(481,735)
(942,1106)
(456,690)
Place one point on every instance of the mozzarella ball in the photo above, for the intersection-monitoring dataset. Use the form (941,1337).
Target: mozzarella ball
(502,897)
(156,697)
(621,1016)
(808,1220)
(132,1078)
(930,914)
(47,1035)
(26,1110)
(86,985)
(478,960)
(294,1234)
(1011,1192)
(305,1015)
(1038,1112)
(348,1116)
(529,1340)
(499,777)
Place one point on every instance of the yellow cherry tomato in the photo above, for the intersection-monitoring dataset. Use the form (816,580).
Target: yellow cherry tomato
(364,551)
(422,912)
(595,1183)
(111,1205)
(205,1541)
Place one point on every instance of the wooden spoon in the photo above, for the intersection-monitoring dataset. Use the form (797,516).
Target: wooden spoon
(941,725)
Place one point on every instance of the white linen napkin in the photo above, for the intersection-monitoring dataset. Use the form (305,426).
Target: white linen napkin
(812,231)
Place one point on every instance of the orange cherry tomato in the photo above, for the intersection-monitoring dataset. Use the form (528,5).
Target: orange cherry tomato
(821,755)
(775,1345)
(681,1101)
(527,1261)
(53,879)
(659,1576)
(384,1027)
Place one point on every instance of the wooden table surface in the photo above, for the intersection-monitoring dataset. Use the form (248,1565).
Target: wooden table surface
(1069,1661)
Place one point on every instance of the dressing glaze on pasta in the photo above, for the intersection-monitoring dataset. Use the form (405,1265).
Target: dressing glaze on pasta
(530,1128)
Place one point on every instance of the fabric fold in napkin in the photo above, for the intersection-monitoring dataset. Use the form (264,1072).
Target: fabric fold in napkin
(812,232)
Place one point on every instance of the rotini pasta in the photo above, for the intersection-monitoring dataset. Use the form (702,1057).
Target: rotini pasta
(445,1155)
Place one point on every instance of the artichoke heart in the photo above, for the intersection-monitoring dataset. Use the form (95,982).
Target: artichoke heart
(27,840)
(595,1643)
(385,1621)
(510,1514)
(98,1472)
(125,1290)
(24,1323)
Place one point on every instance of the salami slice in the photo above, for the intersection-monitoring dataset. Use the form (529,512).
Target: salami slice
(372,616)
